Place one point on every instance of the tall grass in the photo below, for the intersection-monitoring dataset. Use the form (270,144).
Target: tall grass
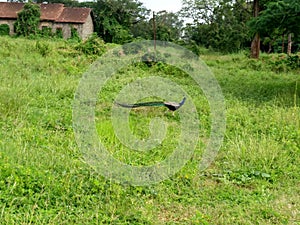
(44,179)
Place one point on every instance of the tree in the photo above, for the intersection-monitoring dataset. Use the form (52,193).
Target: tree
(115,20)
(168,26)
(220,26)
(200,11)
(143,29)
(28,19)
(279,19)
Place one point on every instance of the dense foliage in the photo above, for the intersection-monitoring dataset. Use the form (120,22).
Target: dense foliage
(115,19)
(28,20)
(4,29)
(278,19)
(93,46)
(218,25)
(229,26)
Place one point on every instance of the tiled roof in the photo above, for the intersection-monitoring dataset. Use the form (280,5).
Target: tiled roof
(75,15)
(50,12)
(10,10)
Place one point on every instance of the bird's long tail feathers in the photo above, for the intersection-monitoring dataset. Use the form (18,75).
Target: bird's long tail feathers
(182,102)
(140,104)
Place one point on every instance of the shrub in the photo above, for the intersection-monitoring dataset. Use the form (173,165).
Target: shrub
(74,34)
(43,48)
(133,48)
(4,29)
(46,32)
(284,63)
(121,35)
(92,46)
(192,46)
(59,33)
(293,61)
(152,58)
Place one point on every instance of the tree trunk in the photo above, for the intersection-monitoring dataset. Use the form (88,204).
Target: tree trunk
(282,44)
(270,48)
(255,45)
(289,50)
(271,45)
(154,31)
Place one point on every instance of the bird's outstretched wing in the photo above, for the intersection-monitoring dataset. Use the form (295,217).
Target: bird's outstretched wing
(170,105)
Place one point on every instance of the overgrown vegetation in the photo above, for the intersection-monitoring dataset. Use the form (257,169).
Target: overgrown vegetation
(93,46)
(4,29)
(28,19)
(44,180)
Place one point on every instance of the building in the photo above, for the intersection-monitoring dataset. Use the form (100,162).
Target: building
(55,16)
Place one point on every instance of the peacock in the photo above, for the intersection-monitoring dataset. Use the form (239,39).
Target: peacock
(173,106)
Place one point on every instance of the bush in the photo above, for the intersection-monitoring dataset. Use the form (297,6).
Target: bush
(192,46)
(283,63)
(74,34)
(133,48)
(46,32)
(4,29)
(275,62)
(293,61)
(92,46)
(59,33)
(43,48)
(152,58)
(121,35)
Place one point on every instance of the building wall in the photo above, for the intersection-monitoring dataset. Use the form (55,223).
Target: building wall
(65,27)
(46,24)
(10,23)
(84,30)
(87,28)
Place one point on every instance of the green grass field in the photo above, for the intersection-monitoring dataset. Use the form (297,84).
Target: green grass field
(255,179)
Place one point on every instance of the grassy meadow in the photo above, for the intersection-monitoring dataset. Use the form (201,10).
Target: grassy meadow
(44,179)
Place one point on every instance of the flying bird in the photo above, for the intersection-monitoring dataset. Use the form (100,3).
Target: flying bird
(173,106)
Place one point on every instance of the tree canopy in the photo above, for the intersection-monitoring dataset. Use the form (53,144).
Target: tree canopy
(278,17)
